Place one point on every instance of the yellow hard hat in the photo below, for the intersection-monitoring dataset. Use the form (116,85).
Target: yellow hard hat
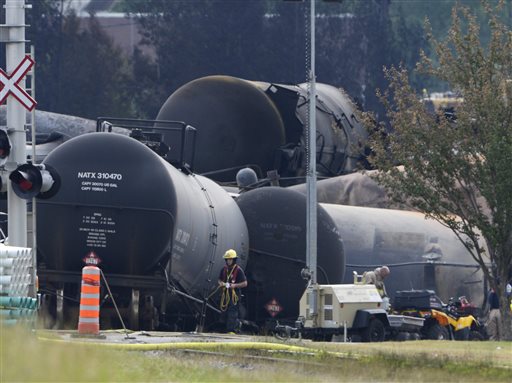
(230,254)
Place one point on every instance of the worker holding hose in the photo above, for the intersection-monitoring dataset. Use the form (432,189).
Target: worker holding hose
(231,279)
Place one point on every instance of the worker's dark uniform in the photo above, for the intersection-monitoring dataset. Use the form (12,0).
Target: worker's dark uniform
(493,323)
(233,274)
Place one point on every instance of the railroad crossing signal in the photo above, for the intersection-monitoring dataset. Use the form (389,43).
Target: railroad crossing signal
(30,181)
(9,84)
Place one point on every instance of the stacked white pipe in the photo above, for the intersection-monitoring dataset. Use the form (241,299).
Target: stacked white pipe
(16,279)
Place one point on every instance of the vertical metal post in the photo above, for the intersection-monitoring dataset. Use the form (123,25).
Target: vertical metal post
(33,292)
(311,214)
(16,119)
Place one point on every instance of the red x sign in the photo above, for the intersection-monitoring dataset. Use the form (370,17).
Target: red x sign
(9,84)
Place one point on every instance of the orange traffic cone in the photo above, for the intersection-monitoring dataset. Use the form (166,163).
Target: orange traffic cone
(89,317)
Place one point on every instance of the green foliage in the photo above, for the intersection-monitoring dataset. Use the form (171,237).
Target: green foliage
(253,39)
(257,40)
(269,41)
(458,172)
(195,39)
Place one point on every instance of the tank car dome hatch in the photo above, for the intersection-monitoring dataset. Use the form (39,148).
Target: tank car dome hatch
(237,124)
(246,177)
(276,219)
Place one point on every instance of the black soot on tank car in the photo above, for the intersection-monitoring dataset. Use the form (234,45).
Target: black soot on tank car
(276,219)
(144,219)
(238,124)
(263,125)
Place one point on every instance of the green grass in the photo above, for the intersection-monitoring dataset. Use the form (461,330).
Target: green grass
(25,358)
(496,354)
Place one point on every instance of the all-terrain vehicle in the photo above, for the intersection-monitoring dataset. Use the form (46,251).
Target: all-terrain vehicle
(442,321)
(460,311)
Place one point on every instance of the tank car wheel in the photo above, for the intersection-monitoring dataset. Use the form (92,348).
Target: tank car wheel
(375,332)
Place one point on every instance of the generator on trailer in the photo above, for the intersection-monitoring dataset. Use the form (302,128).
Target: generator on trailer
(355,311)
(354,308)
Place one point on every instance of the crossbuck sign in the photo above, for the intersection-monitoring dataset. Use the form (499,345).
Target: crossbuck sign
(9,84)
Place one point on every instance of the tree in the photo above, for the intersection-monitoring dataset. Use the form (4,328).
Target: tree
(198,38)
(269,41)
(79,71)
(93,76)
(457,172)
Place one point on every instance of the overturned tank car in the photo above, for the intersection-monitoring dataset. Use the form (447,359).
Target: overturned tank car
(263,125)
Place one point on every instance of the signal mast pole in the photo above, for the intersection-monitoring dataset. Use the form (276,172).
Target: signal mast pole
(16,119)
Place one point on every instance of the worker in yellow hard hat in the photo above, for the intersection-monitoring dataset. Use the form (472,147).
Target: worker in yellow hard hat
(231,280)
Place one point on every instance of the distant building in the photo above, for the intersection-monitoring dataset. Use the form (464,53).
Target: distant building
(121,28)
(87,6)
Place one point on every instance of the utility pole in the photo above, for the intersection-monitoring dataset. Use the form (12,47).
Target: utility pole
(311,213)
(16,119)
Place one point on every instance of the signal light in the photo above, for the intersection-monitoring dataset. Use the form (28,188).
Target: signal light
(5,146)
(30,181)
